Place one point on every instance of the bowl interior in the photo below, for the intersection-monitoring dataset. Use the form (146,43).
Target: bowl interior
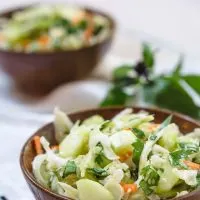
(28,153)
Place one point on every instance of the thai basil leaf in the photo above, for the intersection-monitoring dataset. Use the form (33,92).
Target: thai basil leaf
(193,81)
(148,56)
(169,93)
(122,72)
(116,96)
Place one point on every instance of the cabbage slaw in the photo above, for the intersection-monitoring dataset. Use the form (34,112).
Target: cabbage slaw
(128,157)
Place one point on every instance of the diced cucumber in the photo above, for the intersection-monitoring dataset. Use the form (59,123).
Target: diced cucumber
(168,179)
(116,189)
(94,120)
(169,138)
(88,189)
(74,144)
(122,141)
(40,171)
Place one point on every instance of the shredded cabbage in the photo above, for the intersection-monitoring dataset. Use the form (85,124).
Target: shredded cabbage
(105,159)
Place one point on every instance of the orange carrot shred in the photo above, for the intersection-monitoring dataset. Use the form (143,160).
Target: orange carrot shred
(37,144)
(55,147)
(192,165)
(129,188)
(43,40)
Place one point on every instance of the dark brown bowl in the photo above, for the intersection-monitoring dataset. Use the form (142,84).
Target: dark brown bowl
(28,153)
(39,73)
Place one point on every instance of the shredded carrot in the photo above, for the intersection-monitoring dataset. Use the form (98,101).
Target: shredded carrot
(78,18)
(37,144)
(153,127)
(43,40)
(129,188)
(55,147)
(88,33)
(192,165)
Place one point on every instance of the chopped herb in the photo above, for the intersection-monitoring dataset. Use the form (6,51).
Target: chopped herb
(70,168)
(150,179)
(100,159)
(145,187)
(138,146)
(98,29)
(139,133)
(193,148)
(178,155)
(153,137)
(98,172)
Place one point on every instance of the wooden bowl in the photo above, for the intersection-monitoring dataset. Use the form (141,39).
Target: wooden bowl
(39,73)
(28,153)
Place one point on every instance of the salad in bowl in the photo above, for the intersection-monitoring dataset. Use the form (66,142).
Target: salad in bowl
(47,28)
(128,157)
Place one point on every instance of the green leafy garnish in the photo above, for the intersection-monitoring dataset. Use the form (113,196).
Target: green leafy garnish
(177,156)
(70,168)
(138,146)
(148,56)
(189,147)
(150,179)
(165,91)
(98,172)
(100,158)
(139,133)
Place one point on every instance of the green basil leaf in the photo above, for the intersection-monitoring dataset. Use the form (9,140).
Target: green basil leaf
(122,71)
(70,168)
(148,56)
(193,81)
(115,97)
(168,93)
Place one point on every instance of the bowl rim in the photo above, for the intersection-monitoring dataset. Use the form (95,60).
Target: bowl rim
(46,53)
(33,181)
